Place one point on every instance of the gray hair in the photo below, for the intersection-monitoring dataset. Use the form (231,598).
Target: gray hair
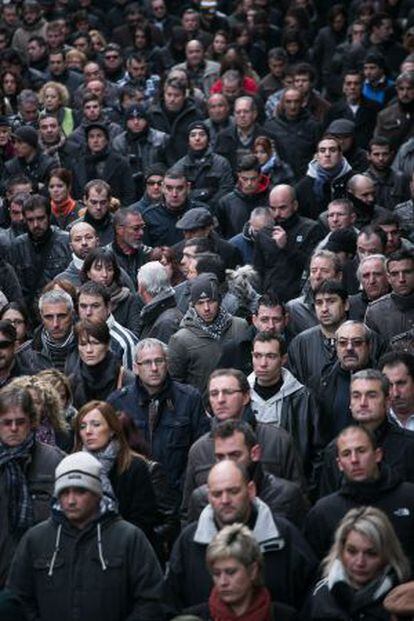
(331,256)
(55,296)
(27,96)
(375,257)
(375,525)
(153,276)
(150,342)
(261,212)
(373,374)
(355,322)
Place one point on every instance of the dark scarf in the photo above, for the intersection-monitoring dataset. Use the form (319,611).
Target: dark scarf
(58,350)
(118,295)
(100,379)
(94,161)
(259,609)
(138,136)
(404,303)
(324,176)
(215,329)
(13,459)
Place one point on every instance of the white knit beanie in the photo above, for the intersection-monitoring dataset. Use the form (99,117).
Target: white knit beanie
(79,470)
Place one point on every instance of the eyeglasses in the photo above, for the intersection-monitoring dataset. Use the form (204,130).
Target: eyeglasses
(6,344)
(354,342)
(148,363)
(227,392)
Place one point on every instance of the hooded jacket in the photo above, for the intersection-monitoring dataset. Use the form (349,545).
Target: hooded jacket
(388,493)
(193,354)
(104,572)
(289,564)
(294,409)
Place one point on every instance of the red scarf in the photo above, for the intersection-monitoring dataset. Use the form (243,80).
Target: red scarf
(63,209)
(259,609)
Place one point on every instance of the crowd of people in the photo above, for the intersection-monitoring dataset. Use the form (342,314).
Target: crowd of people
(206,310)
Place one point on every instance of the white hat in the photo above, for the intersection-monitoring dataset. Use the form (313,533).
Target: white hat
(79,470)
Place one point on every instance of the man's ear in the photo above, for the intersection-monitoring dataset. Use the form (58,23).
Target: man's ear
(338,463)
(251,488)
(256,453)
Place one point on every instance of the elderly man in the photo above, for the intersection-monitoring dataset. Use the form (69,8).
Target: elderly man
(361,191)
(202,72)
(82,543)
(127,246)
(26,471)
(372,277)
(160,318)
(206,328)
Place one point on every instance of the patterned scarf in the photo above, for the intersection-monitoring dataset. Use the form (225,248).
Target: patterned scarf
(13,459)
(45,432)
(58,350)
(215,329)
(107,458)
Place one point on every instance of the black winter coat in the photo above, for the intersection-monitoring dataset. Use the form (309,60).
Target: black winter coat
(113,168)
(388,493)
(234,209)
(181,421)
(161,318)
(177,129)
(161,223)
(281,269)
(398,448)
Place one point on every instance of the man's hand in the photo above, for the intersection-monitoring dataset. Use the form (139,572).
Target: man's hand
(279,235)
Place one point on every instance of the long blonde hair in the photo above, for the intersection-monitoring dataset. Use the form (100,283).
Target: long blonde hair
(375,525)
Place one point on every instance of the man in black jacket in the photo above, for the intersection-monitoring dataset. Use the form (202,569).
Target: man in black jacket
(282,253)
(40,254)
(237,441)
(97,198)
(391,186)
(289,564)
(369,405)
(99,161)
(127,246)
(86,542)
(29,160)
(367,481)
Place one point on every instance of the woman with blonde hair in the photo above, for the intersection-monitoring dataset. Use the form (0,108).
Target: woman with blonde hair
(60,382)
(52,427)
(99,431)
(235,561)
(55,100)
(365,562)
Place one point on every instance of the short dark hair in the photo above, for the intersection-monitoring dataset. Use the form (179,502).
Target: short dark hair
(98,331)
(393,358)
(36,201)
(379,141)
(399,255)
(100,255)
(267,337)
(202,244)
(227,428)
(248,162)
(96,290)
(211,262)
(371,230)
(304,69)
(367,432)
(271,300)
(332,287)
(238,375)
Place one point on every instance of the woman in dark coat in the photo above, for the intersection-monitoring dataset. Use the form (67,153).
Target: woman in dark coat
(101,266)
(125,475)
(365,562)
(99,371)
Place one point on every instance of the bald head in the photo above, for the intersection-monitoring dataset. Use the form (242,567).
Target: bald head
(230,493)
(282,203)
(363,188)
(83,239)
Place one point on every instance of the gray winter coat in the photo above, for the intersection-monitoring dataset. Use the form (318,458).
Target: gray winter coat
(193,354)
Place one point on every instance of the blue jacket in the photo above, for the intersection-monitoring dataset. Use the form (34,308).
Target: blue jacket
(181,421)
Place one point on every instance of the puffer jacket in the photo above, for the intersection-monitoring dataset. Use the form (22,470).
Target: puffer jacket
(193,354)
(105,572)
